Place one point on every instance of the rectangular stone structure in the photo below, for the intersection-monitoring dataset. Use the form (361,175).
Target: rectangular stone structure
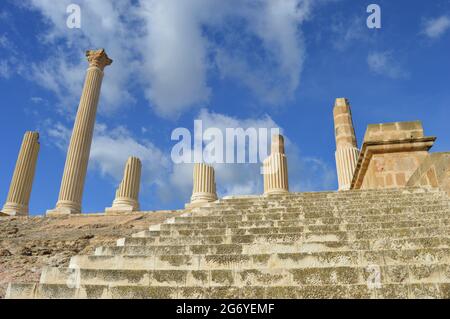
(391,153)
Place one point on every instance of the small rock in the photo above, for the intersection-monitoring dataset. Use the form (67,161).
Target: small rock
(44,252)
(26,251)
(13,231)
(5,253)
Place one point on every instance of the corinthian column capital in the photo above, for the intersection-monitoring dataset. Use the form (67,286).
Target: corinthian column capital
(98,58)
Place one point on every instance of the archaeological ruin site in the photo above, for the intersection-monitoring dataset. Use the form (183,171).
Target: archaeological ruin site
(384,234)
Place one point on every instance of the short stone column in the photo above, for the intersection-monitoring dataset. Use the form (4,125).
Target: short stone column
(204,187)
(127,195)
(72,184)
(275,169)
(347,151)
(22,180)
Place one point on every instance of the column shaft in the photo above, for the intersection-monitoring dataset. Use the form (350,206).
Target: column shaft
(204,187)
(22,181)
(72,184)
(127,195)
(346,146)
(276,179)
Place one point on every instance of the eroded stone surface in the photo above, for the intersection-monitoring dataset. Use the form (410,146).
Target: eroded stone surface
(352,244)
(28,244)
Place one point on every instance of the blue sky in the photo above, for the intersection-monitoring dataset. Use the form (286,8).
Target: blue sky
(230,63)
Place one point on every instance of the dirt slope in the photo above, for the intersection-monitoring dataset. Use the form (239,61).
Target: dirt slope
(28,244)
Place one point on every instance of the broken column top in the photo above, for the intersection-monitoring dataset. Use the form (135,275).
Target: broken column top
(277,144)
(98,58)
(342,103)
(343,124)
(394,131)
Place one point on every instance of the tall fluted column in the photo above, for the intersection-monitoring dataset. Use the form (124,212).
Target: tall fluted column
(22,180)
(127,195)
(72,185)
(275,168)
(204,188)
(346,148)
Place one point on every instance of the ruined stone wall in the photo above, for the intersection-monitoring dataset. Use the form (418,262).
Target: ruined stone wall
(390,155)
(434,171)
(392,170)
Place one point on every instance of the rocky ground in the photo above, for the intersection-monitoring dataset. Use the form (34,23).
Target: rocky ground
(28,244)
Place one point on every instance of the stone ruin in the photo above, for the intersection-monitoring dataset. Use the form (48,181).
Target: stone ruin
(383,234)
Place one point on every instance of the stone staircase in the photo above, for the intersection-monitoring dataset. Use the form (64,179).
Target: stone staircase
(355,244)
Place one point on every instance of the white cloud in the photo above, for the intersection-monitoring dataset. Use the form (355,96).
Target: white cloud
(173,182)
(10,62)
(305,173)
(56,134)
(162,47)
(5,71)
(111,148)
(383,63)
(103,26)
(435,28)
(269,58)
(347,31)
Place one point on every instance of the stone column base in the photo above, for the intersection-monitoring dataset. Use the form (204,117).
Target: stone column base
(196,204)
(276,192)
(200,199)
(65,208)
(124,205)
(14,209)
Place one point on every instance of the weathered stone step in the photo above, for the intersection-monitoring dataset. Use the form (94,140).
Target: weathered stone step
(268,248)
(395,233)
(233,249)
(422,217)
(411,274)
(269,202)
(291,229)
(262,216)
(262,261)
(333,195)
(325,201)
(325,205)
(389,291)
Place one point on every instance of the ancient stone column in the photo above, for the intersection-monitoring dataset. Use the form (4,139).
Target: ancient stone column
(275,169)
(72,185)
(22,180)
(204,188)
(127,195)
(346,149)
